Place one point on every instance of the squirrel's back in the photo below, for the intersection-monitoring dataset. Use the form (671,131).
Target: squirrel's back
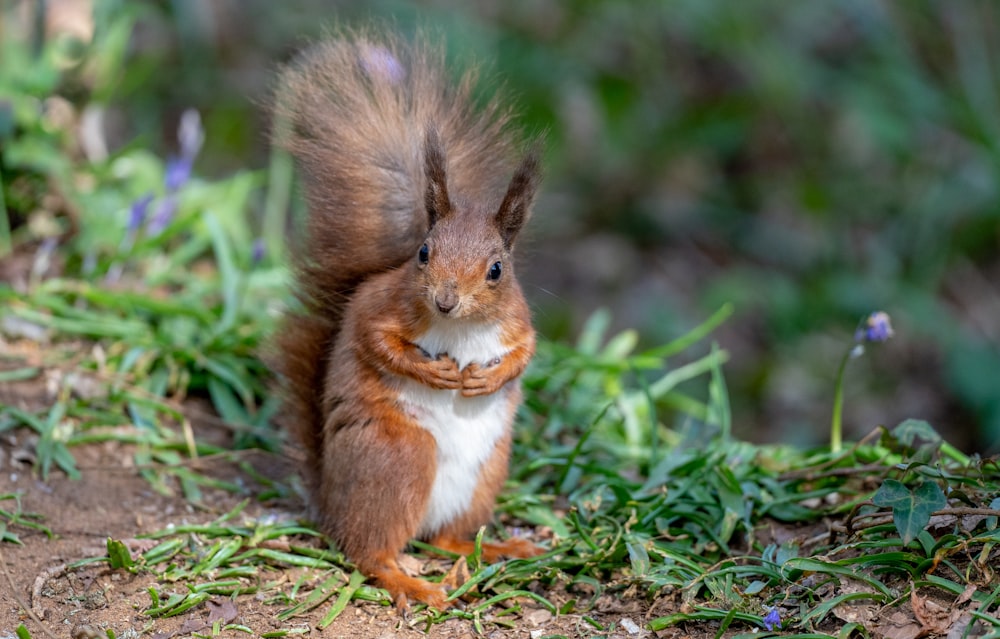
(354,112)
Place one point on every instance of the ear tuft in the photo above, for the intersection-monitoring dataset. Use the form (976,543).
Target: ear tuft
(516,206)
(436,197)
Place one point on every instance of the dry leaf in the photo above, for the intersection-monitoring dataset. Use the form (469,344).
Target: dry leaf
(958,628)
(223,610)
(857,612)
(966,594)
(410,565)
(457,576)
(898,626)
(935,618)
(538,616)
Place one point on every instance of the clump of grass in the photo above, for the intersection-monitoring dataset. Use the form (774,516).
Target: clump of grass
(16,517)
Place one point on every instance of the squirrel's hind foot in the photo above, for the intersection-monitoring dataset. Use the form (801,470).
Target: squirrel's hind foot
(493,551)
(405,589)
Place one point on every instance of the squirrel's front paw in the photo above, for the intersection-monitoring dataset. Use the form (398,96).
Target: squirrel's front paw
(481,380)
(443,372)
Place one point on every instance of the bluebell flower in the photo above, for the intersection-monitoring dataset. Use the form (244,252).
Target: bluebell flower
(137,213)
(379,61)
(190,137)
(257,252)
(164,214)
(178,172)
(876,328)
(772,620)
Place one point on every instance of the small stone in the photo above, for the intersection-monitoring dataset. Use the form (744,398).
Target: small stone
(630,626)
(538,617)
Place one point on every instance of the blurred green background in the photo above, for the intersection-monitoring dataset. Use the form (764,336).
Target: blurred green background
(808,161)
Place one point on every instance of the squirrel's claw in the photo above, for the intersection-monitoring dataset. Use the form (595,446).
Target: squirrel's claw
(443,372)
(479,380)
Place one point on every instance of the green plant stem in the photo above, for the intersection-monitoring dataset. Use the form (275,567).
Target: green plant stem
(6,244)
(950,451)
(836,430)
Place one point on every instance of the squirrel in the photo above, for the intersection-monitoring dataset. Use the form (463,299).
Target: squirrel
(401,372)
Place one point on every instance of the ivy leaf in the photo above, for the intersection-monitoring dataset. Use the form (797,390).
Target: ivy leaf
(911,509)
(918,436)
(910,431)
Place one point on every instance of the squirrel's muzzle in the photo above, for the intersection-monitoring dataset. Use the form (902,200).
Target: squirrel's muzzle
(446,300)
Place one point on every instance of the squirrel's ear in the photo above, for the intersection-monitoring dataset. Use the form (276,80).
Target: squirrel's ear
(516,204)
(436,198)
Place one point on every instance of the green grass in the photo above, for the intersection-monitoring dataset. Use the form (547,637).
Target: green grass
(625,454)
(11,518)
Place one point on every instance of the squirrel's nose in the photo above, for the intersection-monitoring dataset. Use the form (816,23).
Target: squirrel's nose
(446,300)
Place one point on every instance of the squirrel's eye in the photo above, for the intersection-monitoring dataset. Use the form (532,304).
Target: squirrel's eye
(495,272)
(424,254)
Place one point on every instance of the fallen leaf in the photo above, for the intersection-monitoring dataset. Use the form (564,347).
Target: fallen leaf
(897,626)
(538,616)
(957,630)
(935,618)
(856,612)
(191,625)
(457,575)
(966,594)
(410,565)
(223,610)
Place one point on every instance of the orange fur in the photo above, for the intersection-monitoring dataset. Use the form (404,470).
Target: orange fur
(407,250)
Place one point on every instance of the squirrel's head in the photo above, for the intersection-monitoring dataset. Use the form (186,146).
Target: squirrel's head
(465,262)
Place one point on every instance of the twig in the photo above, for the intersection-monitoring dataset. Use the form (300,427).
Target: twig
(882,518)
(810,474)
(45,575)
(24,606)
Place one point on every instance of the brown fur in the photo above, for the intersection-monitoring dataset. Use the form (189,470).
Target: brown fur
(393,158)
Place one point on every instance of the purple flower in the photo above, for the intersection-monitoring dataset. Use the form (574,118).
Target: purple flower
(137,213)
(772,620)
(876,328)
(177,174)
(163,215)
(379,63)
(257,252)
(190,137)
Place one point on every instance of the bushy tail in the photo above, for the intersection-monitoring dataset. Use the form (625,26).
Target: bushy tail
(354,112)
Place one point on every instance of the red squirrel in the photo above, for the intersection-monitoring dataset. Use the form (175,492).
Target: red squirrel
(401,371)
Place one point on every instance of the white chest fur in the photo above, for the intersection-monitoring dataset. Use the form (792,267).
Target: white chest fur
(466,428)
